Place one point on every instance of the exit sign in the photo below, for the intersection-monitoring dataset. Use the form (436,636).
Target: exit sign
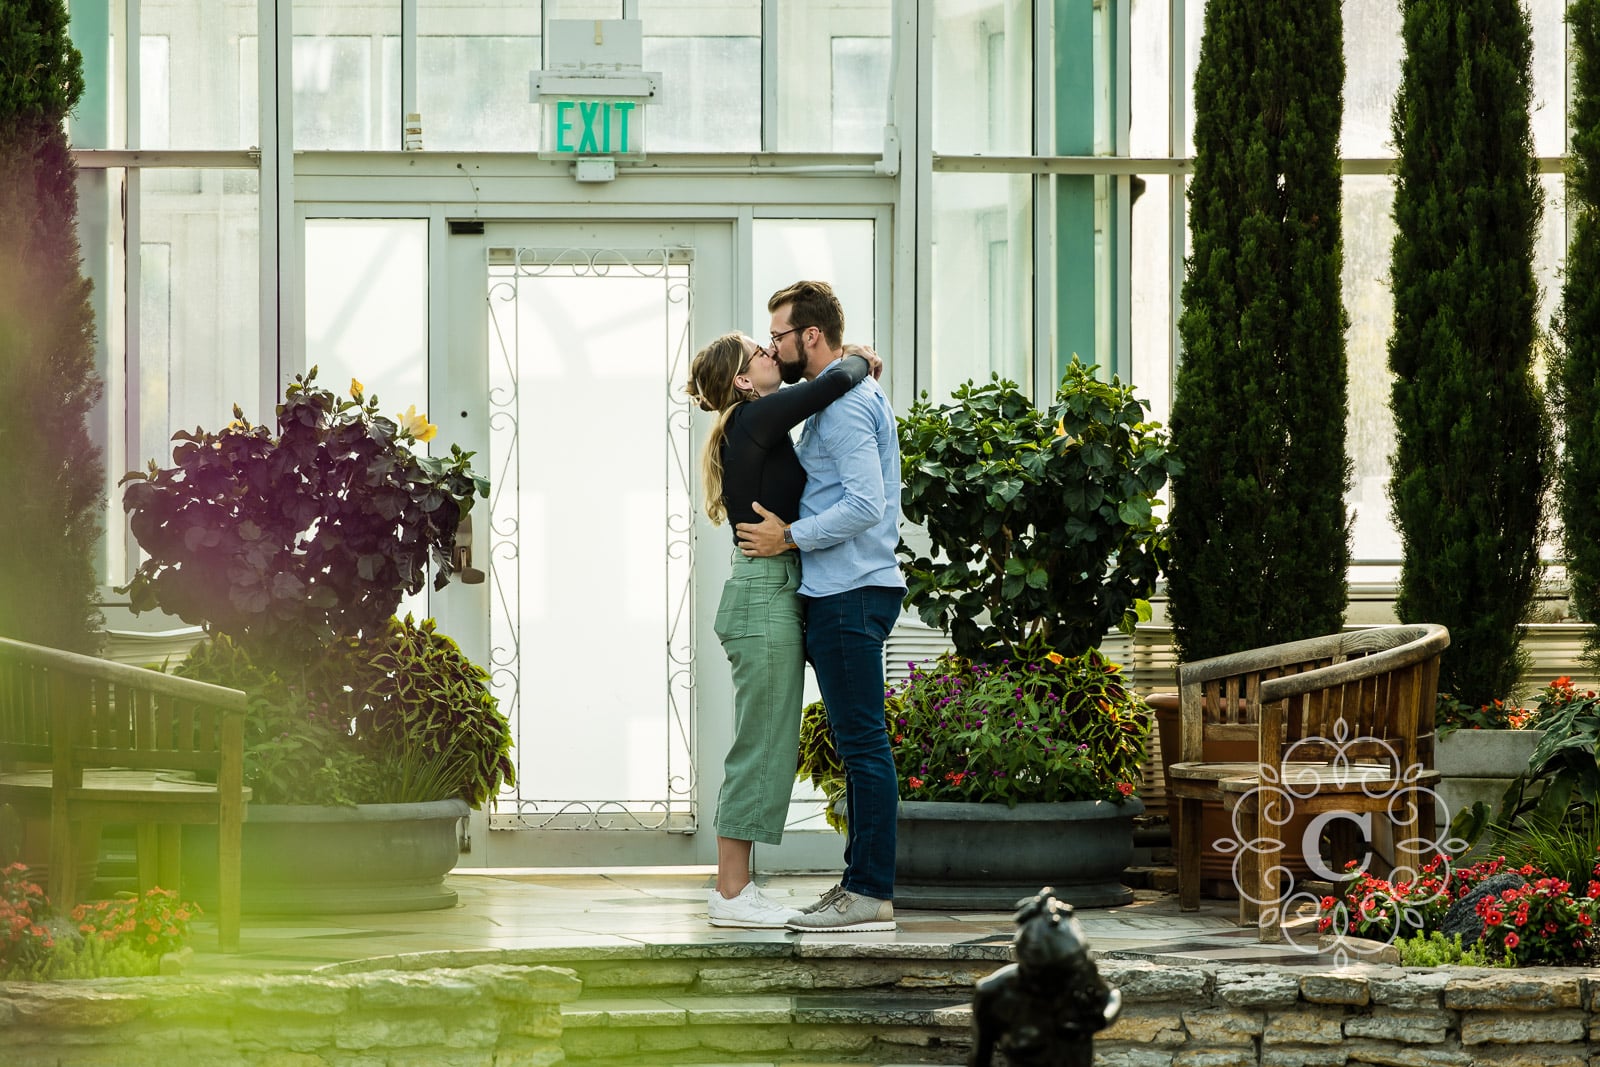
(594,127)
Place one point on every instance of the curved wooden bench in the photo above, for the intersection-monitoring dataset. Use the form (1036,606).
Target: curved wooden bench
(1365,697)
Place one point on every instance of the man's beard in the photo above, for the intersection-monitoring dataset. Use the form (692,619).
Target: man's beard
(791,373)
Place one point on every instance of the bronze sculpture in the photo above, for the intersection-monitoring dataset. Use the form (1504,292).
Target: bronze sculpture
(1044,1009)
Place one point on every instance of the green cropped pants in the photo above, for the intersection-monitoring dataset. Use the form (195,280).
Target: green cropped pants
(760,626)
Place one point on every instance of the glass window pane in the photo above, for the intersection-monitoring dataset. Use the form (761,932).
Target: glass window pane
(710,96)
(100,118)
(1194,15)
(1149,95)
(1150,296)
(102,240)
(198,253)
(346,63)
(982,280)
(832,75)
(1550,69)
(208,78)
(983,77)
(1368,234)
(1373,50)
(860,93)
(367,307)
(155,92)
(837,251)
(472,74)
(473,93)
(367,317)
(1550,253)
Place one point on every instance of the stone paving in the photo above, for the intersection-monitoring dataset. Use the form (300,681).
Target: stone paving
(622,908)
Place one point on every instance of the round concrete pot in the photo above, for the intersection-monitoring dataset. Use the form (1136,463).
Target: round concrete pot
(305,859)
(986,857)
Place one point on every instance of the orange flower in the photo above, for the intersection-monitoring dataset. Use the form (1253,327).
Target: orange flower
(915,782)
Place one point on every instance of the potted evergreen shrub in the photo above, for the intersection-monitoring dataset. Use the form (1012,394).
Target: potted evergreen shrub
(369,736)
(1019,753)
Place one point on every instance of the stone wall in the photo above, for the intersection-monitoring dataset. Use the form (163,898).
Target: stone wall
(1191,1014)
(1214,1016)
(505,1016)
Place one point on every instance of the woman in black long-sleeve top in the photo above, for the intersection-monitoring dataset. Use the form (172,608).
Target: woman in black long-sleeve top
(749,457)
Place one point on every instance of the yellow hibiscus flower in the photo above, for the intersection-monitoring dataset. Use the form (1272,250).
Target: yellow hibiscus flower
(416,425)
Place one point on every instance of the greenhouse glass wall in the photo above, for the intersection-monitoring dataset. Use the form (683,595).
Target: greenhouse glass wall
(391,190)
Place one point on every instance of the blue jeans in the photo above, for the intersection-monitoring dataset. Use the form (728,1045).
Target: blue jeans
(845,633)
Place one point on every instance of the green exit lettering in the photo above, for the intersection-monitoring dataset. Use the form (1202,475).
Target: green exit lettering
(593,126)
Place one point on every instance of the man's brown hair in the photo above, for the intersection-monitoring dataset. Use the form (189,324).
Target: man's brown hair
(813,304)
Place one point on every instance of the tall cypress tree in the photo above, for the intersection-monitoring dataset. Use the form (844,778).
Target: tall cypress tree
(1575,378)
(1473,438)
(1260,533)
(50,472)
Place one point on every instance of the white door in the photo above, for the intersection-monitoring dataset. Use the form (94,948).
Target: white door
(587,540)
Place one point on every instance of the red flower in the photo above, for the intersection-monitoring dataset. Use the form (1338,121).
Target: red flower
(1512,940)
(915,782)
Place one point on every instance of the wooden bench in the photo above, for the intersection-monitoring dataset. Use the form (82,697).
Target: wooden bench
(1340,724)
(85,741)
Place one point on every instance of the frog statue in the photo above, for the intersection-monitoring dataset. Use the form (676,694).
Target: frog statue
(1044,1009)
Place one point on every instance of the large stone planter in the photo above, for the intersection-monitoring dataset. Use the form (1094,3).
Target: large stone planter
(304,859)
(1476,765)
(986,857)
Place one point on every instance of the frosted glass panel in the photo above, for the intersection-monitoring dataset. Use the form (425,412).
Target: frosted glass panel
(837,251)
(203,80)
(473,93)
(860,93)
(983,77)
(1550,71)
(711,99)
(1149,91)
(367,307)
(1373,50)
(830,78)
(367,317)
(346,93)
(982,280)
(584,653)
(199,306)
(1150,278)
(1368,233)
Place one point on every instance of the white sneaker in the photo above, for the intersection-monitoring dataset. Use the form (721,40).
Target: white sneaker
(750,910)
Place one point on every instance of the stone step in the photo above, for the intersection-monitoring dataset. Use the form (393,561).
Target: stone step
(869,962)
(878,1027)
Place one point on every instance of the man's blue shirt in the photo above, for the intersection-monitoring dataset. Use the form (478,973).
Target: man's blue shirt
(849,521)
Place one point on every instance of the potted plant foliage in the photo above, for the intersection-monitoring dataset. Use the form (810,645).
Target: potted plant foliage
(368,736)
(1019,753)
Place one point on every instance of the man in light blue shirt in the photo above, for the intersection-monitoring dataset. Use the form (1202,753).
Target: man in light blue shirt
(851,587)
